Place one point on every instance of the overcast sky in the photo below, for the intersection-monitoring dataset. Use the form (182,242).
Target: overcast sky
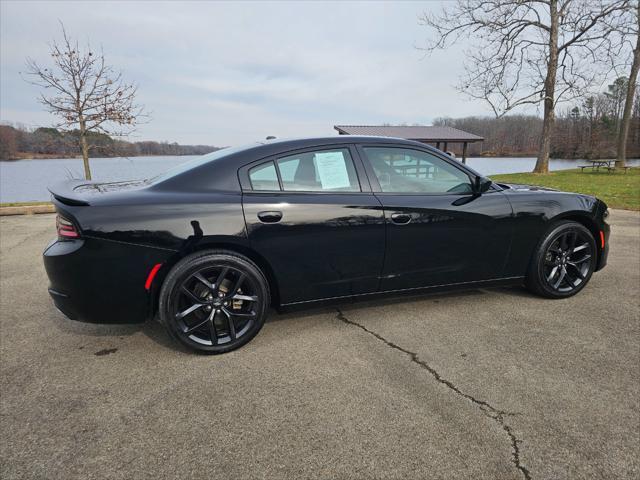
(230,73)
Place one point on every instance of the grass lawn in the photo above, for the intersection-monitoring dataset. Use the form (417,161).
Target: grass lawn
(616,189)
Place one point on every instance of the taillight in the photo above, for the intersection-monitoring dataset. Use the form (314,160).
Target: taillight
(66,228)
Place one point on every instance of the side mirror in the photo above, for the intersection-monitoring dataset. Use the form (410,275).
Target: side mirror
(481,185)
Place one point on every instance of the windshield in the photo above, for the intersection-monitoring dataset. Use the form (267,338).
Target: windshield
(196,162)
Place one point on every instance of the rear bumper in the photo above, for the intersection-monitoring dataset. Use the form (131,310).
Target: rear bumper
(100,281)
(63,303)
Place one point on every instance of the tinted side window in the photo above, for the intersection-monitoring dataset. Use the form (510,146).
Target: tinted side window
(402,170)
(264,177)
(324,170)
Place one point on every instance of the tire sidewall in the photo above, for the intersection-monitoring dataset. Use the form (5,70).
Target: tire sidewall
(538,280)
(189,265)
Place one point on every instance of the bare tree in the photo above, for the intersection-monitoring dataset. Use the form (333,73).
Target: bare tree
(85,93)
(616,93)
(633,33)
(528,52)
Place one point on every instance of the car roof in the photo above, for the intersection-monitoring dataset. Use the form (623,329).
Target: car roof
(273,147)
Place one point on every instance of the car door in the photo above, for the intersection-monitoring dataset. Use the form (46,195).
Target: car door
(438,231)
(312,216)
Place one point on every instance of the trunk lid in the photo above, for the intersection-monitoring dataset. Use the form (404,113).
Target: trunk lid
(87,192)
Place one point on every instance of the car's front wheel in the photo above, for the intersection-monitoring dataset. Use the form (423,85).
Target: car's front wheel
(563,262)
(214,301)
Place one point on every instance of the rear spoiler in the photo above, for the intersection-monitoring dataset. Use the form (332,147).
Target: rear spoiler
(70,192)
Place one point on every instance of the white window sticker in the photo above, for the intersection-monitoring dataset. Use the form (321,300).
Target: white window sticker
(332,170)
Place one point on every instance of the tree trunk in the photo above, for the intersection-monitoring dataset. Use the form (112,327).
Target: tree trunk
(623,132)
(85,149)
(542,163)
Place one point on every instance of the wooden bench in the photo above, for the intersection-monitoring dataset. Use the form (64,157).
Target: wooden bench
(614,168)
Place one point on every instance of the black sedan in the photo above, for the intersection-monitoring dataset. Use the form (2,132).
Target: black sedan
(210,245)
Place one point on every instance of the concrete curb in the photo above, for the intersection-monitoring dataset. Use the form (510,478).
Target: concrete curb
(27,209)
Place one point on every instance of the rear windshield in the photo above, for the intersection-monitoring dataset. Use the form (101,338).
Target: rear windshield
(196,162)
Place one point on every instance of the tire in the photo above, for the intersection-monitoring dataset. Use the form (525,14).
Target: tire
(214,301)
(563,261)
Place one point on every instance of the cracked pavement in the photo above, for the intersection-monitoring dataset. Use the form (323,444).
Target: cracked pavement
(494,384)
(485,407)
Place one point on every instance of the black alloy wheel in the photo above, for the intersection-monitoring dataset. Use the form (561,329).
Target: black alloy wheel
(214,302)
(564,262)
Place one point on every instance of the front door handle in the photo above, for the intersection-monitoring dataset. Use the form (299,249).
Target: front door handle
(271,216)
(400,218)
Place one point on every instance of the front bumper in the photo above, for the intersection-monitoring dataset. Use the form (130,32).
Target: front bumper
(604,232)
(603,252)
(100,281)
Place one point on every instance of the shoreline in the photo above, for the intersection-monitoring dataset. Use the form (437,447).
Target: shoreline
(48,207)
(618,189)
(79,157)
(26,208)
(47,156)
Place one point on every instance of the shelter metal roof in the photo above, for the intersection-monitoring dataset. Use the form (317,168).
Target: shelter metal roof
(414,132)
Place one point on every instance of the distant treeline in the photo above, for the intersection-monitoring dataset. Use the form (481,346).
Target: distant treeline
(18,142)
(584,130)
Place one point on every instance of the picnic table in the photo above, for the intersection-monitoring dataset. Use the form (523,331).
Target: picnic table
(608,164)
(596,164)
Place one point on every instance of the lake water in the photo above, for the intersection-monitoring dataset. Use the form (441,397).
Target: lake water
(27,180)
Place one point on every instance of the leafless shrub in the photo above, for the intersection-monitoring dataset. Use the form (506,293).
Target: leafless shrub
(85,93)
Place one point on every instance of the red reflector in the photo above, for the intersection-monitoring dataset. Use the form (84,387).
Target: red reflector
(152,274)
(601,239)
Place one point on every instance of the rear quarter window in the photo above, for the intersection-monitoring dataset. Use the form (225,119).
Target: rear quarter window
(264,177)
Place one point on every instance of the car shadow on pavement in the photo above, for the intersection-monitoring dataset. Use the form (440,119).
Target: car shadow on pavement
(92,329)
(516,291)
(152,329)
(360,302)
(156,332)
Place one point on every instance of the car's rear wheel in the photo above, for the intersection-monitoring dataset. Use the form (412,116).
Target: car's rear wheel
(214,301)
(564,261)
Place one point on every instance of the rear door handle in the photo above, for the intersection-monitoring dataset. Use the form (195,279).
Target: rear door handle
(400,218)
(271,216)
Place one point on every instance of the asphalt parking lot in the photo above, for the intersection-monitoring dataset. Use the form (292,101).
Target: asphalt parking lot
(494,384)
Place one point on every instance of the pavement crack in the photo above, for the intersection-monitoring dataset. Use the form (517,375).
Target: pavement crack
(485,407)
(24,240)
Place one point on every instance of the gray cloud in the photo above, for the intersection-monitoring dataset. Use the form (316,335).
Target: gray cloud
(229,73)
